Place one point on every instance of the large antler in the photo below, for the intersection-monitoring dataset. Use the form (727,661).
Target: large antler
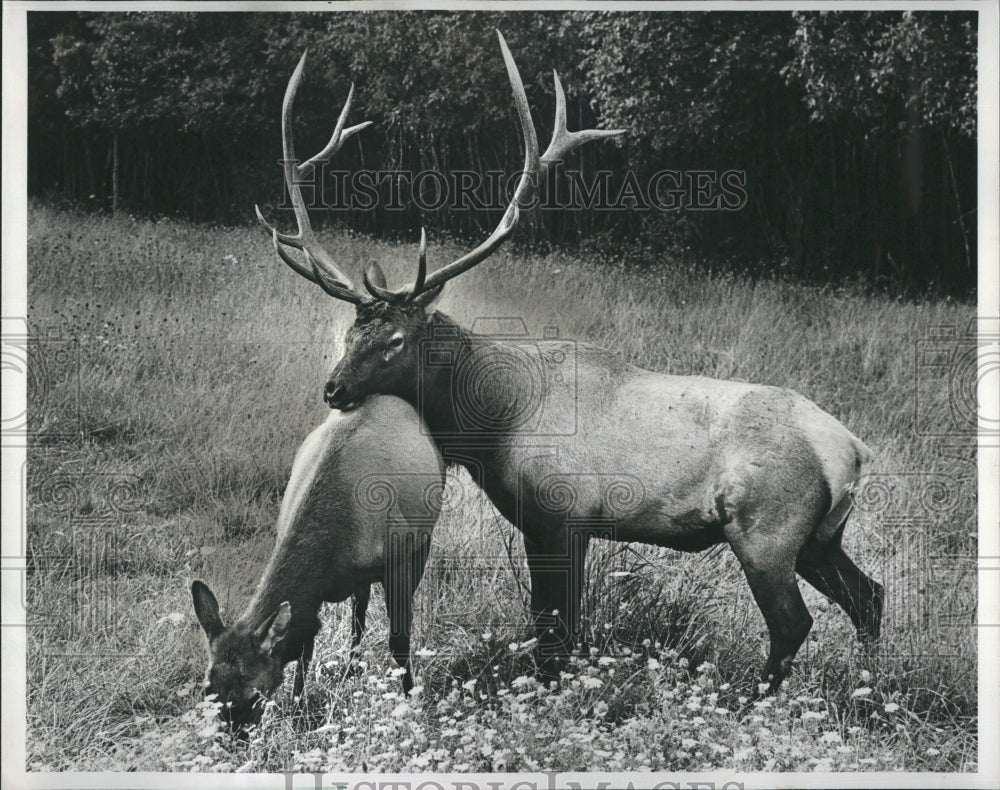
(321,268)
(535,167)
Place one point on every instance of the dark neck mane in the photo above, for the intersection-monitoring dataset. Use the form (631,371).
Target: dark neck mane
(473,387)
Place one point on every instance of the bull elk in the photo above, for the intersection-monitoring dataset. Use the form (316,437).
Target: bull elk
(759,467)
(361,502)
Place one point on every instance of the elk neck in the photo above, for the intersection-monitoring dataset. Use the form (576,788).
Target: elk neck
(289,576)
(470,384)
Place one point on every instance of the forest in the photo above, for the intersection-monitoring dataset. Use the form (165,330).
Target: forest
(848,140)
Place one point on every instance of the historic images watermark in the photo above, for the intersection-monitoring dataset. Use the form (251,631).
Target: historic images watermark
(469,190)
(47,365)
(546,780)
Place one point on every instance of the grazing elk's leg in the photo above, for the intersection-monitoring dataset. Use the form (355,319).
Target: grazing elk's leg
(828,568)
(556,568)
(359,611)
(770,571)
(399,606)
(302,668)
(542,606)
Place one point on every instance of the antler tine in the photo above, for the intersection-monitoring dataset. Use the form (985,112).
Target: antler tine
(563,141)
(292,263)
(313,272)
(513,212)
(334,289)
(374,279)
(284,238)
(418,286)
(340,135)
(322,269)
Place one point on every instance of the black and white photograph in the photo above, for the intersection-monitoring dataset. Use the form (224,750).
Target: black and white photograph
(511,395)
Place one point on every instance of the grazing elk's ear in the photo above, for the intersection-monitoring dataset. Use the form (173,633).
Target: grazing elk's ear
(429,299)
(275,628)
(207,609)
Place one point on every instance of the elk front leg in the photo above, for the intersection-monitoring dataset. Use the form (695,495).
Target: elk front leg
(302,668)
(359,612)
(555,564)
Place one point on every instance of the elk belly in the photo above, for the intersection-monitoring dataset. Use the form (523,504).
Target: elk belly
(691,523)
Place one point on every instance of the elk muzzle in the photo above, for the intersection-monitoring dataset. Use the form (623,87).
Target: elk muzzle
(241,713)
(337,396)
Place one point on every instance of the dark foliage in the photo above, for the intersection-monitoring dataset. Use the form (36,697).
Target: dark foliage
(855,131)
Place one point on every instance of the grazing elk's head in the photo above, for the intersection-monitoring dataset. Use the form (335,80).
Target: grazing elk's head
(382,345)
(245,664)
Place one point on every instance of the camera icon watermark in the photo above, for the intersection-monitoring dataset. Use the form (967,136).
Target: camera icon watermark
(952,367)
(522,386)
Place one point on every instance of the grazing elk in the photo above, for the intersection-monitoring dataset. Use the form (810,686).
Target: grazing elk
(697,461)
(362,500)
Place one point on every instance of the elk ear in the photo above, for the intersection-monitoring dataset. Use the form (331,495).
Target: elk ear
(207,609)
(275,628)
(429,299)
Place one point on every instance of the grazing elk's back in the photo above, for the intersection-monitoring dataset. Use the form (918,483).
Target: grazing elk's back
(363,497)
(350,473)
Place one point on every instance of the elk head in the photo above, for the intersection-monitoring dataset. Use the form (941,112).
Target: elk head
(245,664)
(382,345)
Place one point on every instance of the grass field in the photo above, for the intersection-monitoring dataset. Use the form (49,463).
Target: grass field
(178,367)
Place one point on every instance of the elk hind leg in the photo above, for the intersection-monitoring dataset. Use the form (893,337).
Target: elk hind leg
(828,568)
(359,613)
(770,572)
(400,609)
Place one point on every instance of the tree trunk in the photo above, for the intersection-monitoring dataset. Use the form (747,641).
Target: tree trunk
(958,203)
(114,174)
